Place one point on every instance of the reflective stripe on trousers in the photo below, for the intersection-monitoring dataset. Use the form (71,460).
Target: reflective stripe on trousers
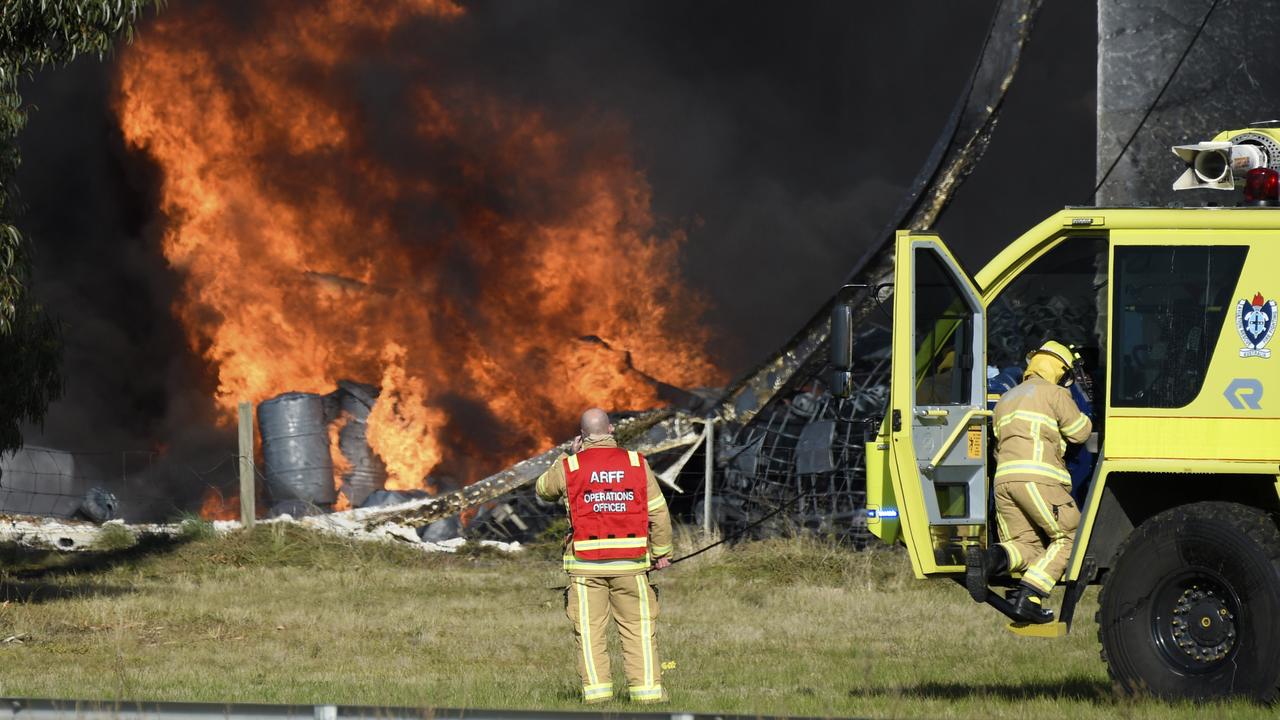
(633,604)
(1026,511)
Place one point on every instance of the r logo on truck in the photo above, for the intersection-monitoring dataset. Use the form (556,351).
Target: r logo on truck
(1244,393)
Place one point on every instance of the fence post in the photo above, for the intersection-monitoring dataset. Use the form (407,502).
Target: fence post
(247,493)
(710,466)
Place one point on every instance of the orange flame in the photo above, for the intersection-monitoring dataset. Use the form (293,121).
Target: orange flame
(341,465)
(407,426)
(298,267)
(342,503)
(216,507)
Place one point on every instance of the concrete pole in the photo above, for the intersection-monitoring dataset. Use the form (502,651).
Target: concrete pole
(708,471)
(247,486)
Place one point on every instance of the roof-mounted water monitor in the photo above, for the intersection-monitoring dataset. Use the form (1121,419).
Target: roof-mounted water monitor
(1234,159)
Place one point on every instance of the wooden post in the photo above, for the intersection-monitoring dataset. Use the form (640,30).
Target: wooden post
(247,485)
(710,466)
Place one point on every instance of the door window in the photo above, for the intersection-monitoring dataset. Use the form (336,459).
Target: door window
(1170,305)
(943,328)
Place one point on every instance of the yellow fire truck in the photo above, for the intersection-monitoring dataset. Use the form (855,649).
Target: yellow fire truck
(1173,311)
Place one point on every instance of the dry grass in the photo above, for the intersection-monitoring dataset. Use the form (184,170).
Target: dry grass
(281,615)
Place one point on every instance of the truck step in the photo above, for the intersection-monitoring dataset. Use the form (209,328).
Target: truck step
(1044,630)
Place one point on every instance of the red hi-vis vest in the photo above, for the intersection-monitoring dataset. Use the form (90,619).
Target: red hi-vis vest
(608,495)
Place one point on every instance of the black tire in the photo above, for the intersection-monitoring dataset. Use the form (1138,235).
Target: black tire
(1192,607)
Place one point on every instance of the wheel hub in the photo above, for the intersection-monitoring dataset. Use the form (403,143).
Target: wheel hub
(1200,630)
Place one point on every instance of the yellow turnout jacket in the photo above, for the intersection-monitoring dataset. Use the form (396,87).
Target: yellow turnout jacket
(1033,424)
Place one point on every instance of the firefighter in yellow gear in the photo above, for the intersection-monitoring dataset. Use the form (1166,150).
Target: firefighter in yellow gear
(606,578)
(1035,514)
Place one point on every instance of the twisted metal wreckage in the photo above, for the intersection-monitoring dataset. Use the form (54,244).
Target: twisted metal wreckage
(780,436)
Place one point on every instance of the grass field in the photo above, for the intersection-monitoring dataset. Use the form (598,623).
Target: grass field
(281,615)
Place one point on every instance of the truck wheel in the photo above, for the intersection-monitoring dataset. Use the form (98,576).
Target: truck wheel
(1190,608)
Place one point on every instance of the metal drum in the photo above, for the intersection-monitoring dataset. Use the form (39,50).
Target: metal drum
(368,473)
(295,450)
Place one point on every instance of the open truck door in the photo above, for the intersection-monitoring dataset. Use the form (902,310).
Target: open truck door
(938,412)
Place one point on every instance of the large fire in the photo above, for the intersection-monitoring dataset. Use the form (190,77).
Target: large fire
(459,268)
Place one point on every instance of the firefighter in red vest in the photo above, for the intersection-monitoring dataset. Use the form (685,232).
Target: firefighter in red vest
(621,529)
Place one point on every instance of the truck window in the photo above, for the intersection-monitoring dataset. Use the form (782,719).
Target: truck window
(1058,297)
(942,329)
(1171,302)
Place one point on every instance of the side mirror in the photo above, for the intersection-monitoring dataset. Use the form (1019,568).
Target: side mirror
(842,336)
(841,340)
(841,383)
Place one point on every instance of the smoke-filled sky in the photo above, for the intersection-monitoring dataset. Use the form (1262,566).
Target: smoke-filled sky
(776,138)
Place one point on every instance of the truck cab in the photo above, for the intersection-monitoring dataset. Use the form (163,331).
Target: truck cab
(1173,311)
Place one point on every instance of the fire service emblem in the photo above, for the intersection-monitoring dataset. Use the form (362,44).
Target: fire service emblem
(1256,323)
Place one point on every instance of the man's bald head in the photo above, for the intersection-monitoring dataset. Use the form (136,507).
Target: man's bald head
(596,422)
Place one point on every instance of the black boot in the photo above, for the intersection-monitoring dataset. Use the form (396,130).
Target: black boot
(982,565)
(1027,606)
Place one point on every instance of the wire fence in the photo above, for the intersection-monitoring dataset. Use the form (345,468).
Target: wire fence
(798,467)
(809,446)
(99,486)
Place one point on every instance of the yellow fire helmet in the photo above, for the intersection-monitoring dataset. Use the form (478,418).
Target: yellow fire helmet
(1063,353)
